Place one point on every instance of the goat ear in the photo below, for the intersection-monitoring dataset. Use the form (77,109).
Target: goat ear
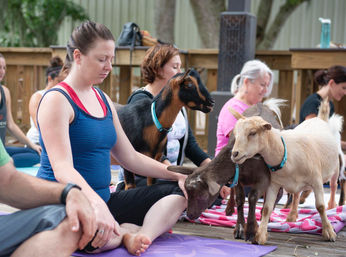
(214,187)
(236,114)
(180,169)
(267,126)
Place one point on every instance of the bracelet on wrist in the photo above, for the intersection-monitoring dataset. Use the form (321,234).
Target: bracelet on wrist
(66,190)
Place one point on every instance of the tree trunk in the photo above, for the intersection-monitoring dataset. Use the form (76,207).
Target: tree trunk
(285,11)
(164,20)
(207,15)
(263,15)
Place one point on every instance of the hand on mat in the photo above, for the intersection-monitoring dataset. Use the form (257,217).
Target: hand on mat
(81,215)
(181,183)
(106,225)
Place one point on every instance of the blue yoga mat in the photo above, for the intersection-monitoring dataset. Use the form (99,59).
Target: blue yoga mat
(29,170)
(178,245)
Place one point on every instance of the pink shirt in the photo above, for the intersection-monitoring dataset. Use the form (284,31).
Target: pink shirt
(226,122)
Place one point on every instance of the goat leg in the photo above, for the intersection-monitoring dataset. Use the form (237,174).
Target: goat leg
(251,225)
(240,226)
(129,178)
(333,183)
(342,192)
(150,181)
(230,203)
(271,195)
(289,201)
(293,214)
(327,229)
(304,195)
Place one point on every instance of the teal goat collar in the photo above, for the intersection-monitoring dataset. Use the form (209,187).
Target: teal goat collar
(284,159)
(236,176)
(156,120)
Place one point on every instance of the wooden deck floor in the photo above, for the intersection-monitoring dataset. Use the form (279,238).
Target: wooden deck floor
(288,244)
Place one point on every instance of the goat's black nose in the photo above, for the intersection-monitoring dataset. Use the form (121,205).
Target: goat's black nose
(235,154)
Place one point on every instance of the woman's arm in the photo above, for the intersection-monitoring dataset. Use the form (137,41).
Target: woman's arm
(55,135)
(13,127)
(194,152)
(33,105)
(24,191)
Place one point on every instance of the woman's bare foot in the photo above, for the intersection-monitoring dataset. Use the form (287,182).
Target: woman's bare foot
(136,243)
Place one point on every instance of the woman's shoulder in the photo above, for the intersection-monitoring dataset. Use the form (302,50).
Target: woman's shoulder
(313,98)
(236,104)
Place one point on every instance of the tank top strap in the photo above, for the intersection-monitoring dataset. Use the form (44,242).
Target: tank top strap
(73,104)
(102,102)
(74,96)
(104,99)
(3,99)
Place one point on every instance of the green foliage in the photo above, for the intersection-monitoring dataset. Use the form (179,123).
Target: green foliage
(35,23)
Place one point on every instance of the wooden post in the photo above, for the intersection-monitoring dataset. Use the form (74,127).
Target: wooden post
(285,92)
(125,82)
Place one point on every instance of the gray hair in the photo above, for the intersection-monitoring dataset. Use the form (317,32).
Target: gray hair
(252,70)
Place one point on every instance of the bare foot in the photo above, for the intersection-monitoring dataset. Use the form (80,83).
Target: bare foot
(136,243)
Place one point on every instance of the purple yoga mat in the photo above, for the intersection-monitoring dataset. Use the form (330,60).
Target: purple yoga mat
(176,245)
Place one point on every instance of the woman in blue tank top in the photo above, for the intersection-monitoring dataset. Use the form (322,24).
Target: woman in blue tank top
(79,128)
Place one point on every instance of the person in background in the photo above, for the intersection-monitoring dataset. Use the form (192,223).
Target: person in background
(53,74)
(332,83)
(57,219)
(28,155)
(162,62)
(79,138)
(254,82)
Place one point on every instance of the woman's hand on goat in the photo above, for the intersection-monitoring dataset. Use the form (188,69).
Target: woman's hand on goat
(181,183)
(106,224)
(225,191)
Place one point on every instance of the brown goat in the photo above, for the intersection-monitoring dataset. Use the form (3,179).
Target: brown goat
(184,89)
(204,184)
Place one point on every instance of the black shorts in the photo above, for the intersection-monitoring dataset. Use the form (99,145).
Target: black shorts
(131,206)
(17,227)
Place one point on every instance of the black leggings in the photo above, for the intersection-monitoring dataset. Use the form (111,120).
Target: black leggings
(131,206)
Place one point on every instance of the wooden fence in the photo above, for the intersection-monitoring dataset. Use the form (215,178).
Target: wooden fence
(26,74)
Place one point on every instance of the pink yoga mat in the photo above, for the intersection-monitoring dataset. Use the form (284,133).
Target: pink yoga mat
(176,245)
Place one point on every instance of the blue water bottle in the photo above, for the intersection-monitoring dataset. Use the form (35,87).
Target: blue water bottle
(325,33)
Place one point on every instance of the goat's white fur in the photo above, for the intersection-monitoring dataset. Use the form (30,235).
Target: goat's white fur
(336,128)
(274,104)
(312,159)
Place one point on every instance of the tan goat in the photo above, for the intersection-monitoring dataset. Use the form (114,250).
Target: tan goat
(312,159)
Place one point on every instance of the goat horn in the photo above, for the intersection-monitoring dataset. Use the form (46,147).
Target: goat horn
(186,73)
(236,114)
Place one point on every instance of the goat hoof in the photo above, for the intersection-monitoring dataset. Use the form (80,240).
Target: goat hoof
(260,239)
(329,235)
(239,234)
(250,237)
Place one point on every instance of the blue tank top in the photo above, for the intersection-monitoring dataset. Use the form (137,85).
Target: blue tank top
(91,141)
(3,115)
